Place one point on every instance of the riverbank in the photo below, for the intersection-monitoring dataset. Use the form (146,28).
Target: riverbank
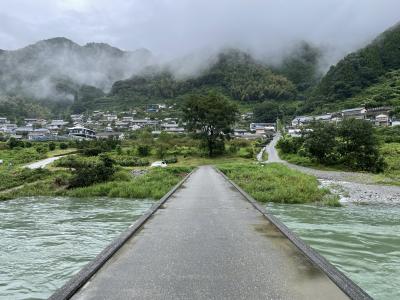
(351,186)
(152,183)
(277,183)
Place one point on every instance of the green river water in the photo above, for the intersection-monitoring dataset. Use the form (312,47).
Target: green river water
(44,241)
(363,241)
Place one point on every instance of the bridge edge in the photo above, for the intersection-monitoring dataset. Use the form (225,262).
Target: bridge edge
(348,286)
(86,273)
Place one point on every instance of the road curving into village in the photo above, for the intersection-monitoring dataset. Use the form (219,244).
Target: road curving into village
(352,186)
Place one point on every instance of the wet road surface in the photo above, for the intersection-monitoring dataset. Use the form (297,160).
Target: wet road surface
(208,242)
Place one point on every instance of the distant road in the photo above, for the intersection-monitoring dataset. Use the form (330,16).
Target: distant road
(209,242)
(42,163)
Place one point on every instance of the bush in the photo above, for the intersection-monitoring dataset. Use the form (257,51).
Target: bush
(129,161)
(91,151)
(171,160)
(52,146)
(63,146)
(42,149)
(143,150)
(86,174)
(289,144)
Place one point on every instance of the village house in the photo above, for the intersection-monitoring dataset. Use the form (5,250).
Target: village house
(144,123)
(4,121)
(111,117)
(122,124)
(24,130)
(8,128)
(254,126)
(127,119)
(382,120)
(239,132)
(81,132)
(56,125)
(373,112)
(39,134)
(355,113)
(77,118)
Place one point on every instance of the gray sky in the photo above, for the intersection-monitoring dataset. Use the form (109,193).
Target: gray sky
(172,28)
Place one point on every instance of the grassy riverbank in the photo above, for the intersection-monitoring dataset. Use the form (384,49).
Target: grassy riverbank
(154,183)
(278,183)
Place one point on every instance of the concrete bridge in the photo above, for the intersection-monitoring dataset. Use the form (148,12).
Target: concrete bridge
(207,239)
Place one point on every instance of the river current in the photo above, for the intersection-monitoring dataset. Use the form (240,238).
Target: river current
(44,241)
(361,240)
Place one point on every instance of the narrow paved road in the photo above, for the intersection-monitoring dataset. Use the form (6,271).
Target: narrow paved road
(353,186)
(209,243)
(42,163)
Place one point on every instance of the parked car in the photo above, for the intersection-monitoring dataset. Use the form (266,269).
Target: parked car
(160,164)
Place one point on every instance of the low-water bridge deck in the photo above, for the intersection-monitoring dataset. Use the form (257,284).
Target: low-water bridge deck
(208,241)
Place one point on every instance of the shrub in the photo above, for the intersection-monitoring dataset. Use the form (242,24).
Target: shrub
(143,150)
(91,151)
(171,160)
(63,146)
(129,161)
(42,149)
(86,174)
(288,144)
(52,146)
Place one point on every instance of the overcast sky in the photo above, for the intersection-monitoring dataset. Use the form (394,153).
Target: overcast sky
(174,27)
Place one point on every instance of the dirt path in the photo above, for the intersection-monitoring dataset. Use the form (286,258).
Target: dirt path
(352,186)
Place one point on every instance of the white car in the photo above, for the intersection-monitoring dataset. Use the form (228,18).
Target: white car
(160,164)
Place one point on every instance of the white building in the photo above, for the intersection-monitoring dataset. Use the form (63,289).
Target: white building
(382,120)
(81,132)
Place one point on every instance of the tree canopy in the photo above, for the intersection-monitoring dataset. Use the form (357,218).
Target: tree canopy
(211,117)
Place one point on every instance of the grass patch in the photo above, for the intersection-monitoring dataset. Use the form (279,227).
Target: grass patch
(154,184)
(195,161)
(17,177)
(278,183)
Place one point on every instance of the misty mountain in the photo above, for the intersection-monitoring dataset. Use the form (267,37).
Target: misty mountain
(234,73)
(363,68)
(56,67)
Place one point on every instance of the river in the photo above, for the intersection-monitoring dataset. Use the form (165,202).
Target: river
(362,240)
(44,241)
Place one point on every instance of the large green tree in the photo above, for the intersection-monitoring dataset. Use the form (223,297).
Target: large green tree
(211,117)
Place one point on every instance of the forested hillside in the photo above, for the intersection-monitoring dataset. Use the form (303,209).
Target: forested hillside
(362,69)
(235,73)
